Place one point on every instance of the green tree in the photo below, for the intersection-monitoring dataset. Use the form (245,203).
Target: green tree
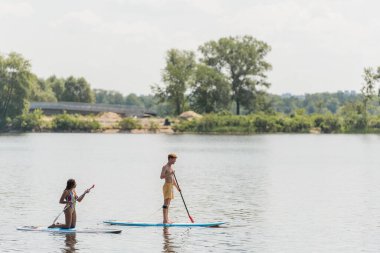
(242,60)
(368,89)
(101,96)
(148,101)
(78,90)
(41,91)
(290,104)
(263,103)
(108,97)
(116,98)
(176,77)
(133,100)
(15,84)
(57,85)
(210,90)
(332,105)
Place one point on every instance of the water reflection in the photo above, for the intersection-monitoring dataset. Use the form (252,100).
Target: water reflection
(168,241)
(175,242)
(70,243)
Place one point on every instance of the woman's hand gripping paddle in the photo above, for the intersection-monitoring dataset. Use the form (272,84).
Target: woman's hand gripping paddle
(191,218)
(86,191)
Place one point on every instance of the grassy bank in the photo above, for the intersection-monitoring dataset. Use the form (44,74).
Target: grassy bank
(105,122)
(210,123)
(280,123)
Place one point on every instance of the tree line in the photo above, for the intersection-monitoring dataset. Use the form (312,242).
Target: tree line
(19,86)
(229,76)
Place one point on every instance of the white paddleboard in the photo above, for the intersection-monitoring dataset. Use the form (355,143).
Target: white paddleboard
(68,230)
(151,224)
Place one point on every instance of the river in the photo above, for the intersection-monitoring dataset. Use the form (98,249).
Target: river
(276,193)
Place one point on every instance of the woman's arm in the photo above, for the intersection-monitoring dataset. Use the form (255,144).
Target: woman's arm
(63,200)
(82,196)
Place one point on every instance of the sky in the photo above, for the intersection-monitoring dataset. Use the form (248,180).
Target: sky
(317,45)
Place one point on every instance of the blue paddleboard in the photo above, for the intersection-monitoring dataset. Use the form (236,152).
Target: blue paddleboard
(68,230)
(152,224)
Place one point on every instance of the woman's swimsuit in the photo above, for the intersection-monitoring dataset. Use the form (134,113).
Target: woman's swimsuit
(72,199)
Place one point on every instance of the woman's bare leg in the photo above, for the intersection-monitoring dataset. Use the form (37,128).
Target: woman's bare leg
(68,219)
(74,219)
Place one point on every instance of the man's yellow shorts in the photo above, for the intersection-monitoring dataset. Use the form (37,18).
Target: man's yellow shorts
(168,191)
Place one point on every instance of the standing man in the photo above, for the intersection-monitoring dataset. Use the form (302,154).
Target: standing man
(167,174)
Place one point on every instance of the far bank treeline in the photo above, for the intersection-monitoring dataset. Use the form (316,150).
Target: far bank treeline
(225,80)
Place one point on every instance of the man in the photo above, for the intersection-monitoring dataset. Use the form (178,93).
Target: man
(167,173)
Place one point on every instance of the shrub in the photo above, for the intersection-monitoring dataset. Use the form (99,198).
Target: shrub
(331,124)
(374,123)
(328,123)
(129,123)
(153,126)
(300,124)
(266,124)
(185,126)
(64,122)
(28,121)
(68,122)
(355,123)
(88,125)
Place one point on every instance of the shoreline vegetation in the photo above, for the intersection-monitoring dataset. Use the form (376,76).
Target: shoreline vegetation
(227,85)
(222,123)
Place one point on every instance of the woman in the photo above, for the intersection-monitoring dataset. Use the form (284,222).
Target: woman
(69,198)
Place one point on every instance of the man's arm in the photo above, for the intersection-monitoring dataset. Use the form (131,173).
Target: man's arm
(162,176)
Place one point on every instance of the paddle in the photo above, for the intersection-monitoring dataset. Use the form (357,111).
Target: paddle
(191,218)
(69,205)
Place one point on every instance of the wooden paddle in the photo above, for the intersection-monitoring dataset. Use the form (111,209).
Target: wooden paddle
(191,218)
(69,205)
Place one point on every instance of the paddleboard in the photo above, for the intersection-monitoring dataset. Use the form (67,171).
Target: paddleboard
(68,230)
(151,224)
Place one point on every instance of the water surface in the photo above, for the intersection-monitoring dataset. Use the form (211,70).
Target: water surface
(277,193)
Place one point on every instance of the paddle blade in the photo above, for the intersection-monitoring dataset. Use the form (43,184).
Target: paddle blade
(191,218)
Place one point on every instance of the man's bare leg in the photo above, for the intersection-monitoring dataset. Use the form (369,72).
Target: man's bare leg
(165,211)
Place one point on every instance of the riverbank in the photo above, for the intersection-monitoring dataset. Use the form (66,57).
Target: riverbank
(280,123)
(112,123)
(107,122)
(207,124)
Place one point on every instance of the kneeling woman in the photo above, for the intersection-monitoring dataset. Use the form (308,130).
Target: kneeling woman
(69,198)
